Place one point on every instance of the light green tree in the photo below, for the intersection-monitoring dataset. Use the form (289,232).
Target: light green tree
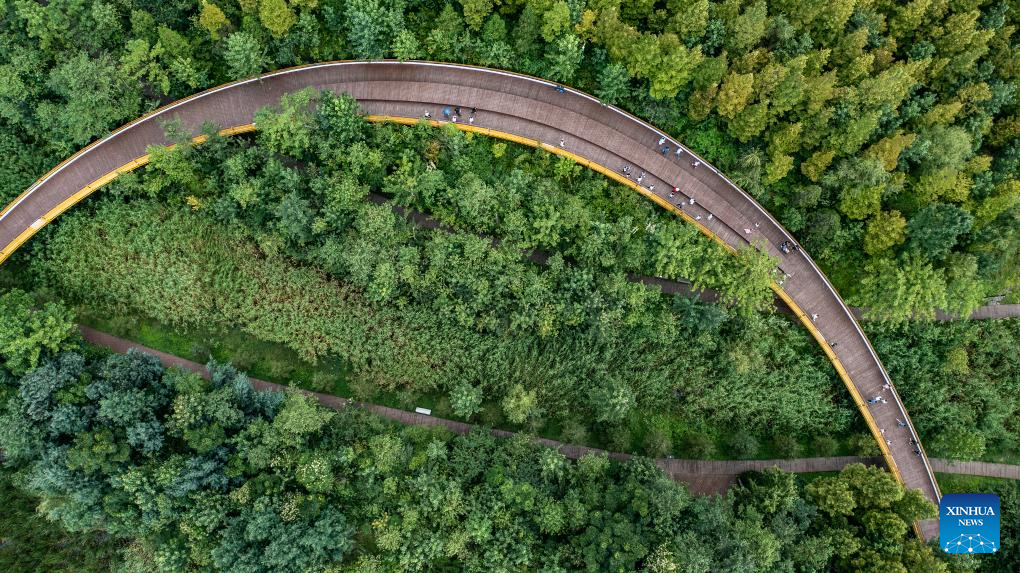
(26,333)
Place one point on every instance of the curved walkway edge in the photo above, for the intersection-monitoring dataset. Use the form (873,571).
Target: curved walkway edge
(704,477)
(529,111)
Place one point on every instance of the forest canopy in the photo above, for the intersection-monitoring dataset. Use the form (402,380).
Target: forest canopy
(883,135)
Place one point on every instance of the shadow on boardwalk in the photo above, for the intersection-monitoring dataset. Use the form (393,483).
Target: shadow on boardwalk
(701,476)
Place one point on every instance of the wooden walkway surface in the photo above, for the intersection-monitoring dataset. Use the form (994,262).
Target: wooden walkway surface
(701,476)
(532,112)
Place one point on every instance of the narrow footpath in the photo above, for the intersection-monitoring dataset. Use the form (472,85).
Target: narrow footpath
(705,477)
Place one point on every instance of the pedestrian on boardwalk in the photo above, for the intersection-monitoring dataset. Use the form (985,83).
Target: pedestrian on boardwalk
(696,164)
(814,317)
(747,231)
(679,151)
(697,218)
(458,110)
(665,150)
(471,120)
(473,111)
(691,201)
(757,225)
(651,187)
(662,140)
(428,115)
(710,216)
(641,177)
(886,386)
(446,112)
(562,142)
(454,119)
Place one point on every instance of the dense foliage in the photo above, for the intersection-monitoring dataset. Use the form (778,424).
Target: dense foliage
(961,384)
(427,310)
(699,367)
(29,543)
(884,134)
(461,312)
(211,475)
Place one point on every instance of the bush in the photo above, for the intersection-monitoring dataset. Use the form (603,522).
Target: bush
(825,446)
(786,446)
(742,445)
(620,439)
(657,443)
(573,432)
(863,445)
(699,447)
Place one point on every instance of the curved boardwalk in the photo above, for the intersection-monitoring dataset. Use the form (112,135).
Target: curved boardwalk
(701,476)
(532,112)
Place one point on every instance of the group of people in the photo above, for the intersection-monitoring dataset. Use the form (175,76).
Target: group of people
(454,114)
(900,423)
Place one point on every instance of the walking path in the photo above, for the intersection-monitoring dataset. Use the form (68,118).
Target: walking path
(531,112)
(701,476)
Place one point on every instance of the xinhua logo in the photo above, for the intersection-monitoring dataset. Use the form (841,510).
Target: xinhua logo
(969,523)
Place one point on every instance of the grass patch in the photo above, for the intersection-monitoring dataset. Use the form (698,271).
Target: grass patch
(958,483)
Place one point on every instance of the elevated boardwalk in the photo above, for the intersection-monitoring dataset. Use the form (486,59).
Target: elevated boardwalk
(529,111)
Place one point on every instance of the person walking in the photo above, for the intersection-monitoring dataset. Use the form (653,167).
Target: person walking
(710,216)
(814,317)
(691,201)
(679,151)
(662,140)
(696,164)
(428,115)
(665,150)
(562,142)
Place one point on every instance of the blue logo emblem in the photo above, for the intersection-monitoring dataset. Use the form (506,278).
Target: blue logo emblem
(969,523)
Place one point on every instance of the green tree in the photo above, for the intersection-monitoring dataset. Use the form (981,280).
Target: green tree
(734,94)
(96,95)
(934,230)
(245,55)
(26,333)
(564,56)
(520,405)
(885,230)
(288,130)
(476,11)
(213,19)
(276,16)
(613,83)
(466,400)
